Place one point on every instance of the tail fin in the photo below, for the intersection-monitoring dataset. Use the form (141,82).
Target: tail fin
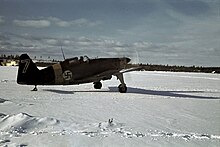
(27,71)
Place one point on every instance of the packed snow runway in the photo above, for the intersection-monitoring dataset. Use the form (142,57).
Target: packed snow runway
(159,109)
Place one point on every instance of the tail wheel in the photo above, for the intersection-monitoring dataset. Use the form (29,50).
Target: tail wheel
(35,88)
(122,88)
(97,85)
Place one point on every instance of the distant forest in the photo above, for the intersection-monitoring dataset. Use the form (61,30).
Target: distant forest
(174,68)
(9,57)
(146,67)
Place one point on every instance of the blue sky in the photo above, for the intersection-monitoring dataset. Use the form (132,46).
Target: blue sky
(176,32)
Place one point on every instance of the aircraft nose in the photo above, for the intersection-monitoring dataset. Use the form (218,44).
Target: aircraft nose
(128,60)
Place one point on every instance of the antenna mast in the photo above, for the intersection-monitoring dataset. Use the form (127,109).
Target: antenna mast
(63,53)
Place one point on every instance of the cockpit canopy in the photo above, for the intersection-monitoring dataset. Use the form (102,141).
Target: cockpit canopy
(81,59)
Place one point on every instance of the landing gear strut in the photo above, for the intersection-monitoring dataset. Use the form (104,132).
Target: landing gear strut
(35,88)
(97,85)
(122,88)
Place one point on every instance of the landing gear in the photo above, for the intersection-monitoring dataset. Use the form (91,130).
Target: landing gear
(35,88)
(97,85)
(122,88)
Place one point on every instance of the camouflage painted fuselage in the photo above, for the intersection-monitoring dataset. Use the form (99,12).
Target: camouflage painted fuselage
(71,71)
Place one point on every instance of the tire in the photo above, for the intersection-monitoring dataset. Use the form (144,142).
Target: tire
(97,85)
(122,88)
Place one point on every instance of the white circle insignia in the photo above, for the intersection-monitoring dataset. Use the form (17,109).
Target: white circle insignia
(67,75)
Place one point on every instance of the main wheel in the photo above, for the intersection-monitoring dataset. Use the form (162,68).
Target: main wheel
(122,88)
(97,85)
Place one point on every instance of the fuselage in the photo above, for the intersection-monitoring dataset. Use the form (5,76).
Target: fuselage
(73,71)
(78,71)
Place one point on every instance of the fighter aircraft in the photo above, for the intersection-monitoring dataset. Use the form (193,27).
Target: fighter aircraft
(73,71)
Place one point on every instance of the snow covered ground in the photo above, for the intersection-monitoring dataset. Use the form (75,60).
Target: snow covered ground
(160,109)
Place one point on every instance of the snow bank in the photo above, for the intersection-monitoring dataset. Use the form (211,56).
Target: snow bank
(2,100)
(24,123)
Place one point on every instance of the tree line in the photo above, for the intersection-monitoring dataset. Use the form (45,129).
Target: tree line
(9,57)
(175,68)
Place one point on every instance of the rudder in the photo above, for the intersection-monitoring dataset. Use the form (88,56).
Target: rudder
(27,72)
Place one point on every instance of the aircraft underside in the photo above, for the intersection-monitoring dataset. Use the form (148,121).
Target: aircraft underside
(96,82)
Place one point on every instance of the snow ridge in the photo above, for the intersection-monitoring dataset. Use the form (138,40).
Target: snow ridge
(23,123)
(2,100)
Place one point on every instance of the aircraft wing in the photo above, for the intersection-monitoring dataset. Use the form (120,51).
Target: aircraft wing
(116,72)
(131,69)
(108,74)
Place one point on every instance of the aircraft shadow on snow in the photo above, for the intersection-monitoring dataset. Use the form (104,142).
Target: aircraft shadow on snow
(59,91)
(178,94)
